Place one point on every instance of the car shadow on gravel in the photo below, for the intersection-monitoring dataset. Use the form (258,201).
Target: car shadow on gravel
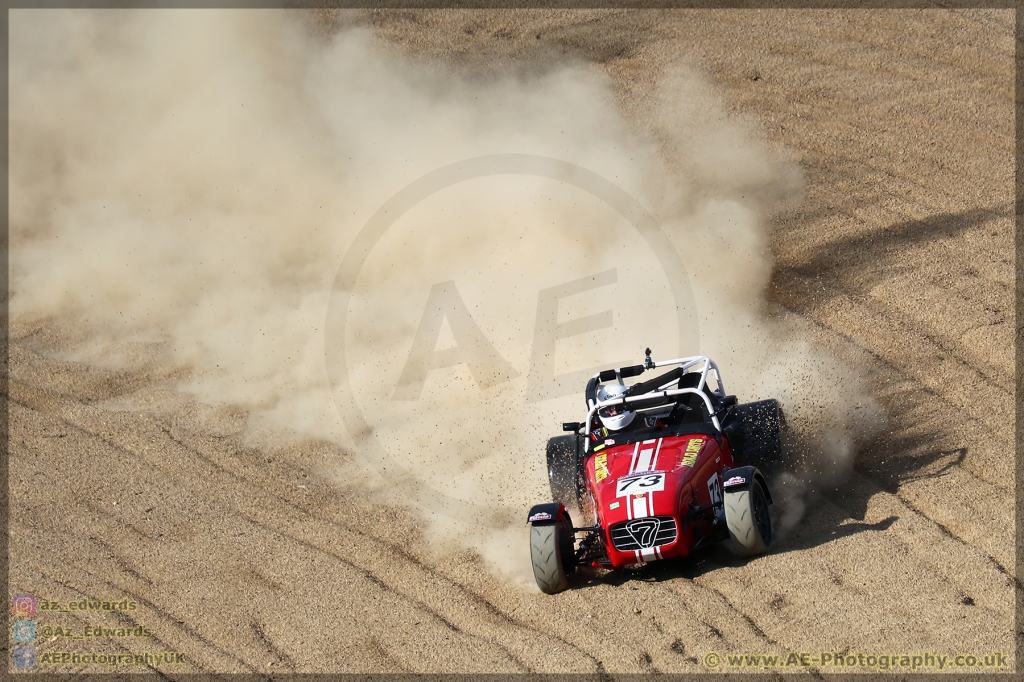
(868,257)
(920,448)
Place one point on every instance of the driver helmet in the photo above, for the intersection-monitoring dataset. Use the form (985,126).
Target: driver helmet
(614,417)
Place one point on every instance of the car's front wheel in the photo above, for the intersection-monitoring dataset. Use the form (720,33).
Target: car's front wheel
(552,551)
(748,519)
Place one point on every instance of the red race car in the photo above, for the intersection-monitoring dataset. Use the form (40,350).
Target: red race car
(665,466)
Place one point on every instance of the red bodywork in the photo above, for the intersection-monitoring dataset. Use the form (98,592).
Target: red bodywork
(691,468)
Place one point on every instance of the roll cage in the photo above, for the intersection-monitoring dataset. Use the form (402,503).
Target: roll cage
(655,394)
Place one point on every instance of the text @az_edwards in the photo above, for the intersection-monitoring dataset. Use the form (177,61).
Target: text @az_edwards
(93,632)
(860,660)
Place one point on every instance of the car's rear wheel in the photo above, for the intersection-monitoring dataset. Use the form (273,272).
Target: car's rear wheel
(761,425)
(563,470)
(552,551)
(748,519)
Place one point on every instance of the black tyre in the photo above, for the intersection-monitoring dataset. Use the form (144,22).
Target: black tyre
(761,425)
(563,470)
(552,551)
(748,519)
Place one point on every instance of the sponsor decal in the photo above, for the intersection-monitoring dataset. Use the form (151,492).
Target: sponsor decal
(601,467)
(692,450)
(735,480)
(640,484)
(539,516)
(715,489)
(613,505)
(597,448)
(609,441)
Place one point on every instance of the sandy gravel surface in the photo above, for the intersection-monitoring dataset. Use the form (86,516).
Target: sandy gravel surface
(900,257)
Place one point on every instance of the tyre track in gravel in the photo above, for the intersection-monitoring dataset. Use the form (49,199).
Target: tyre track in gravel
(953,536)
(751,623)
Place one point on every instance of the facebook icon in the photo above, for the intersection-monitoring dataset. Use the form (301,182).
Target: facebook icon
(24,657)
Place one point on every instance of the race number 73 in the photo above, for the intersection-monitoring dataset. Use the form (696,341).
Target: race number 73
(715,489)
(638,485)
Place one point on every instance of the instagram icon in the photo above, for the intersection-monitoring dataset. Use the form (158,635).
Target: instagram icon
(24,605)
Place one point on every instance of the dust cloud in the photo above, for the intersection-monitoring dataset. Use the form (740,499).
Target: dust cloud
(185,184)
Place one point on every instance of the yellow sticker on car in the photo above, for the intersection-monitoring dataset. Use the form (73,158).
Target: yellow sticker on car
(692,450)
(601,467)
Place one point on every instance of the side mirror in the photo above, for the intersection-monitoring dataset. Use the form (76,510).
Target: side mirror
(729,401)
(572,427)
